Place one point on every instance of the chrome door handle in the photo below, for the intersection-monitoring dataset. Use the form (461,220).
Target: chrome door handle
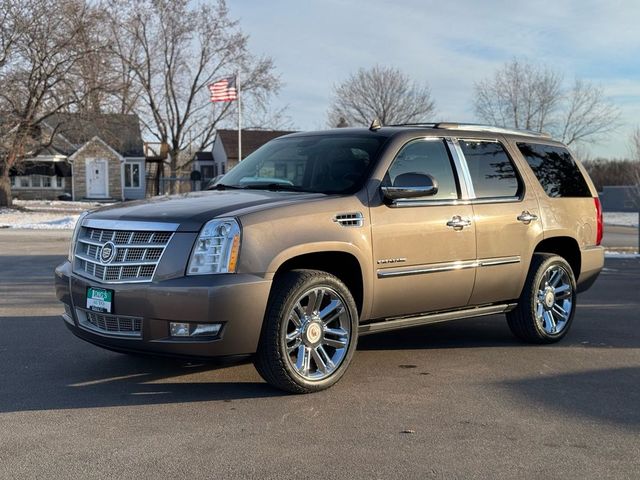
(458,223)
(526,217)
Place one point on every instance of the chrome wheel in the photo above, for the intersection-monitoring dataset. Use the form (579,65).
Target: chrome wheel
(554,300)
(317,333)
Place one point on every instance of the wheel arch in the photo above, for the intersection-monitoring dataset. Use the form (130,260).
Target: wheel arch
(566,247)
(344,263)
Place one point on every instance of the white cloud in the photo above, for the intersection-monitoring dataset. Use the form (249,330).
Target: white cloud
(450,45)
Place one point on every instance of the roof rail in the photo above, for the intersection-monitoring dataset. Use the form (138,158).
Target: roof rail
(419,124)
(489,128)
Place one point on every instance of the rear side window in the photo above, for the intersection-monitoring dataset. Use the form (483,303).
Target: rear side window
(427,157)
(492,172)
(556,171)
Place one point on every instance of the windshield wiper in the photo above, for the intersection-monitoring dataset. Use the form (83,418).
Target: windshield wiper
(222,186)
(275,187)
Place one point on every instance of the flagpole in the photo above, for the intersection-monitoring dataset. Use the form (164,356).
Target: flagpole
(239,119)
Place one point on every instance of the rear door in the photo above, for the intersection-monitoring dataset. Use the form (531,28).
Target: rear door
(506,217)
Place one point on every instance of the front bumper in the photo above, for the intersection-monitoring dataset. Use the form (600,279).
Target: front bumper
(238,301)
(592,261)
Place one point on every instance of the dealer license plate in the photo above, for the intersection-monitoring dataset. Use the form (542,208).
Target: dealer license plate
(99,299)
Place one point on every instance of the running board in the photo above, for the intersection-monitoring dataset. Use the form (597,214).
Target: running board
(414,321)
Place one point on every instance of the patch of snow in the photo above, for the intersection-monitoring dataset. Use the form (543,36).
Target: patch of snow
(56,205)
(623,219)
(620,255)
(10,218)
(44,214)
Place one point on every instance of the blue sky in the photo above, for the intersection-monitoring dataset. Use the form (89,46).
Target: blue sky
(450,45)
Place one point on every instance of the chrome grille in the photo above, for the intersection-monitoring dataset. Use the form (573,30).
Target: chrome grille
(137,254)
(111,324)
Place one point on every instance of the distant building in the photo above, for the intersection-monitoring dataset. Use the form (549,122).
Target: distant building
(619,198)
(224,153)
(91,156)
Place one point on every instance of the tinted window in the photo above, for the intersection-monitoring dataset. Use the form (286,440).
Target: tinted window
(491,170)
(314,163)
(427,157)
(556,171)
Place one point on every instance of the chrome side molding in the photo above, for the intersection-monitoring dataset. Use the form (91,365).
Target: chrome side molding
(447,266)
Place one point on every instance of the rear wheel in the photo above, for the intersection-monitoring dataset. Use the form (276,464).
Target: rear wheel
(547,305)
(310,332)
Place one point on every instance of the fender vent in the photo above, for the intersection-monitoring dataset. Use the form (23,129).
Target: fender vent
(355,219)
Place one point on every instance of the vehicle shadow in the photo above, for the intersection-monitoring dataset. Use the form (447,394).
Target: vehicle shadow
(43,367)
(588,394)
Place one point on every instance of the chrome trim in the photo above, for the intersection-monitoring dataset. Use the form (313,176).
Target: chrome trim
(447,267)
(90,265)
(458,223)
(425,319)
(425,203)
(461,168)
(465,176)
(434,268)
(129,225)
(351,219)
(86,324)
(491,262)
(482,201)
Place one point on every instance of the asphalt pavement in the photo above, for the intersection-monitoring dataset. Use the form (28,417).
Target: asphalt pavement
(457,400)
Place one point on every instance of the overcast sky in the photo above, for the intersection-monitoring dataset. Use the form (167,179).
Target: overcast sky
(450,45)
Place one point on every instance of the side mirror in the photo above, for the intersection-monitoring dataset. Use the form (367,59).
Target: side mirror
(410,185)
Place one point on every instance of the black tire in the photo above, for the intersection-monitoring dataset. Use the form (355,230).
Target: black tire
(524,321)
(273,361)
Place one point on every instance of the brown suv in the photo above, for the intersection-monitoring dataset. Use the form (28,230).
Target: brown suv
(317,238)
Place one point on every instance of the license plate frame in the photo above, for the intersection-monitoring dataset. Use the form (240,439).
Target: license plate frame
(100,299)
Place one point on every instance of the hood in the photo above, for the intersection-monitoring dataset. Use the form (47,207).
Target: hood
(192,210)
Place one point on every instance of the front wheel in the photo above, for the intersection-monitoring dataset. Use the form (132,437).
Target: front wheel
(310,332)
(547,304)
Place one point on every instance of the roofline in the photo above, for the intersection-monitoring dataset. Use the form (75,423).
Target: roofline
(71,157)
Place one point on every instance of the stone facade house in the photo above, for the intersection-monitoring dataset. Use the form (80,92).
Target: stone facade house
(89,156)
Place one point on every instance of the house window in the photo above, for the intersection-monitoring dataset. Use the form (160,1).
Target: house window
(13,181)
(35,181)
(23,182)
(207,172)
(132,175)
(59,182)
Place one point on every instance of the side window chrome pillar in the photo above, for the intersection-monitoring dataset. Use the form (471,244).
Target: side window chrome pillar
(466,185)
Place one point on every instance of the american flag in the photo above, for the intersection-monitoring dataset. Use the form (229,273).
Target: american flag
(224,90)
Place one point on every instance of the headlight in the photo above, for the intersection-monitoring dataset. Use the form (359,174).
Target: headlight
(74,237)
(216,250)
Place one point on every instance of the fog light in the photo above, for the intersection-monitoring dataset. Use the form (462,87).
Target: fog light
(178,329)
(210,329)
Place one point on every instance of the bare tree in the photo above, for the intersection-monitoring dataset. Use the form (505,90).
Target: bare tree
(380,92)
(519,95)
(42,48)
(528,96)
(174,50)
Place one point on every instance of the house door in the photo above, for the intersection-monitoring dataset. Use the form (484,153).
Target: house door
(97,181)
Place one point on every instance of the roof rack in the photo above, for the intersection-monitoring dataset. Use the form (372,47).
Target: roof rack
(474,127)
(490,128)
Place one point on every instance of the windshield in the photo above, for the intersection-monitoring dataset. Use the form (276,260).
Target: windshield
(315,163)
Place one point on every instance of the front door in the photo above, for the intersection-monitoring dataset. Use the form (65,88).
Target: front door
(97,181)
(424,249)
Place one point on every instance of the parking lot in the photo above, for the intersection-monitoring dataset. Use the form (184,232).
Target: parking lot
(456,400)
